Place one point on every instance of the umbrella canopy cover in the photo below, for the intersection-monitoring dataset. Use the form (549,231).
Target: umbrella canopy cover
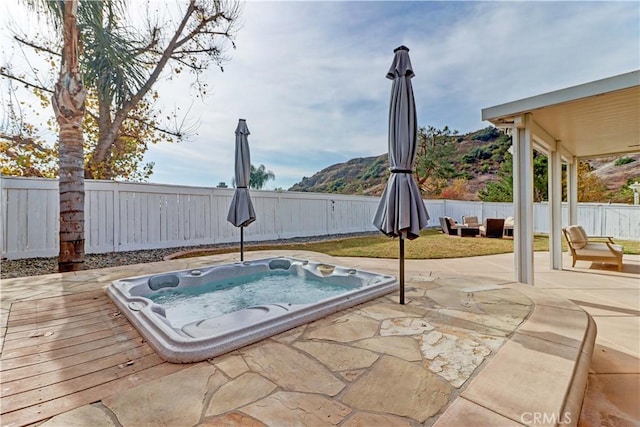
(401,212)
(241,212)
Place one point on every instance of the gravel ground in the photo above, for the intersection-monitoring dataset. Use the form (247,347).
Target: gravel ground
(37,266)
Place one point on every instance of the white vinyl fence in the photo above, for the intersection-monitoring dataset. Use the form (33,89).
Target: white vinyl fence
(130,216)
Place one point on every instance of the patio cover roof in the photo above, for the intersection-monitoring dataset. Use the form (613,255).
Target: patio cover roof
(594,119)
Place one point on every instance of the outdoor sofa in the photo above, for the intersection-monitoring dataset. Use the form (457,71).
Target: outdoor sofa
(584,249)
(451,227)
(470,221)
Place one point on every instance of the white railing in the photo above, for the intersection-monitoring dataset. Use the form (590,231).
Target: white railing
(130,216)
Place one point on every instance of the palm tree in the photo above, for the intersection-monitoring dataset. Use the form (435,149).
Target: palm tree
(68,104)
(259,177)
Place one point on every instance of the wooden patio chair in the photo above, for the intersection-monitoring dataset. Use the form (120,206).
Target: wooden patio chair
(582,248)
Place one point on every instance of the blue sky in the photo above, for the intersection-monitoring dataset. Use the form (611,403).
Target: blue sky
(309,77)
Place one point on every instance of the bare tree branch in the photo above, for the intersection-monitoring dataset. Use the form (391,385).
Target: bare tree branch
(5,73)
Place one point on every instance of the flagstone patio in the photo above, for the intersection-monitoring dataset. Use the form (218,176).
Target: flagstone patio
(464,347)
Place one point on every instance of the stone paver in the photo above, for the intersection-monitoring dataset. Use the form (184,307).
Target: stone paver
(232,419)
(514,372)
(367,419)
(88,415)
(232,364)
(175,400)
(243,390)
(404,326)
(441,358)
(291,369)
(398,387)
(463,413)
(338,357)
(346,328)
(406,348)
(302,409)
(452,357)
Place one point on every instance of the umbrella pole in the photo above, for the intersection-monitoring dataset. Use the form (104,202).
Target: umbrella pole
(241,243)
(401,270)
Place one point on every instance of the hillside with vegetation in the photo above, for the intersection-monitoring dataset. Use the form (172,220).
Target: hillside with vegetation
(473,166)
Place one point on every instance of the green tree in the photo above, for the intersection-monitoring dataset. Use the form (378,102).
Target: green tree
(625,193)
(433,166)
(500,190)
(121,63)
(24,152)
(259,177)
(591,188)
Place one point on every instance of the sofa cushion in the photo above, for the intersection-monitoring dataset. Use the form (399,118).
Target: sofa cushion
(599,249)
(577,236)
(470,221)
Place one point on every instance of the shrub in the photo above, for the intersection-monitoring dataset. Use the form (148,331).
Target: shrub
(475,154)
(487,134)
(623,161)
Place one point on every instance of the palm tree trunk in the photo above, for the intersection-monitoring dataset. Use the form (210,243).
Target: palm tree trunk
(68,105)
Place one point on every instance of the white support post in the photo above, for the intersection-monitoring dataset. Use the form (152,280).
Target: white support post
(572,191)
(555,208)
(523,199)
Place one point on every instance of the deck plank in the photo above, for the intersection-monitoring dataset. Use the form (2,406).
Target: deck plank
(83,297)
(55,303)
(26,339)
(39,324)
(71,372)
(48,365)
(60,357)
(90,355)
(33,347)
(48,315)
(63,388)
(41,411)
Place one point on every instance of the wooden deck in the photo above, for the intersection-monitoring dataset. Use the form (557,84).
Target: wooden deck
(65,352)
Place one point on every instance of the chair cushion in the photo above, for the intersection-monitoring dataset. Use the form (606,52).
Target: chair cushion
(577,236)
(509,221)
(470,221)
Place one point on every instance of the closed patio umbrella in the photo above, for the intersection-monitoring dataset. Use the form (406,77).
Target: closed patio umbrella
(401,212)
(241,212)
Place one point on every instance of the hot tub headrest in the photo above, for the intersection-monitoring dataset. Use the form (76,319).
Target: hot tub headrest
(164,281)
(279,264)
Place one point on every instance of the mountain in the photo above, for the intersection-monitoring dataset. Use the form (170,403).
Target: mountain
(364,175)
(478,156)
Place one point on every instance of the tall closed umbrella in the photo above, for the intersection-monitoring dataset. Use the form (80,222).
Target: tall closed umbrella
(401,212)
(241,212)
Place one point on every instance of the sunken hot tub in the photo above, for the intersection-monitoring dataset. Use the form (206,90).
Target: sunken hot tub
(196,314)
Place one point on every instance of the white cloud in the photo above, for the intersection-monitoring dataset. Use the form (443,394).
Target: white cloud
(309,77)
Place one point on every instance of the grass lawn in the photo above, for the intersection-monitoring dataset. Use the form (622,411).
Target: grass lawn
(432,244)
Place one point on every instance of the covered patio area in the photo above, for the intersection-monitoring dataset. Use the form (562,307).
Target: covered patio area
(595,119)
